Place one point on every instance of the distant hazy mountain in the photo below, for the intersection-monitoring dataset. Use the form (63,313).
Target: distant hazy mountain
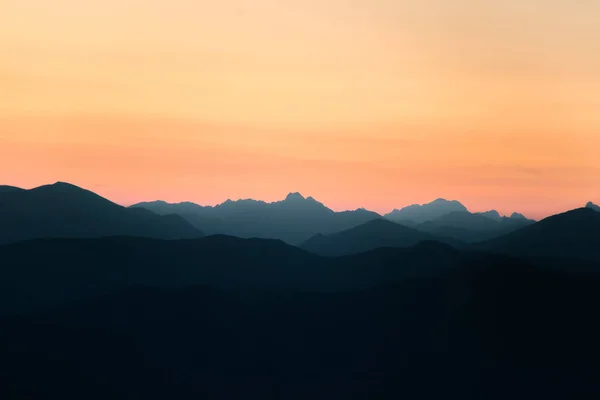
(426,212)
(593,206)
(574,234)
(492,214)
(64,210)
(292,220)
(371,235)
(202,218)
(517,216)
(469,227)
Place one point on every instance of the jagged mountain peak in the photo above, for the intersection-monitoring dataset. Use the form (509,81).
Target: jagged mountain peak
(517,215)
(295,196)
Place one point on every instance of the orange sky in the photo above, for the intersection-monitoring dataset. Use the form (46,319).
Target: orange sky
(374,103)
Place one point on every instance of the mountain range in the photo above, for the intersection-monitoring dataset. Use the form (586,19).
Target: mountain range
(297,219)
(377,252)
(64,210)
(101,301)
(292,220)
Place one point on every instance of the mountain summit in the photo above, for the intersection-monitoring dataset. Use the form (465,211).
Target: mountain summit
(517,216)
(294,196)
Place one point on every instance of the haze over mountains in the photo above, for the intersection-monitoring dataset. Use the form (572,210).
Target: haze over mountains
(451,219)
(293,219)
(100,301)
(296,219)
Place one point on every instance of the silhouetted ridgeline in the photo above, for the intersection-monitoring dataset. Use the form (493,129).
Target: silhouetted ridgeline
(574,234)
(8,189)
(372,235)
(44,273)
(296,219)
(64,210)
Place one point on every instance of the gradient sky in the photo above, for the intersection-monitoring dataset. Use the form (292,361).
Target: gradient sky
(358,103)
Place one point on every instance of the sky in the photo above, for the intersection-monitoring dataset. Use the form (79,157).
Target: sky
(358,103)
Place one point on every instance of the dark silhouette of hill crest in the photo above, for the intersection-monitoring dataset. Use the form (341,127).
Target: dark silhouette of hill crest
(65,210)
(573,234)
(368,236)
(7,189)
(44,273)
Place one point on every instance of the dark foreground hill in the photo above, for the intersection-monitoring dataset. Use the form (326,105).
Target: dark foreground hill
(369,236)
(293,220)
(64,210)
(45,273)
(487,328)
(574,234)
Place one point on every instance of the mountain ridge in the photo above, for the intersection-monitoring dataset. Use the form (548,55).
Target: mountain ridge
(575,234)
(66,270)
(371,235)
(66,210)
(293,219)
